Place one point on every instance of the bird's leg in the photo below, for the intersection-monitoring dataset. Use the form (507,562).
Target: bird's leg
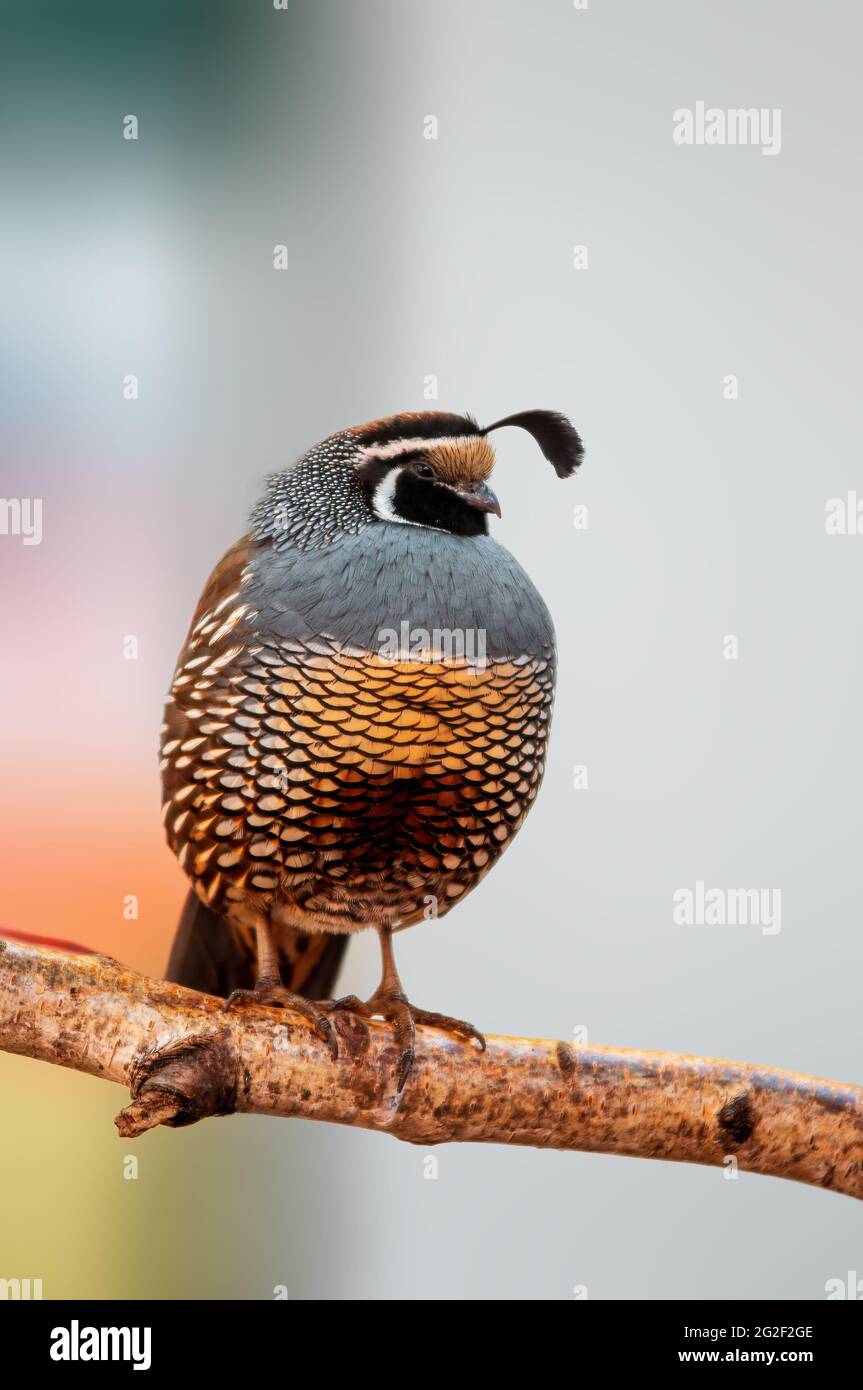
(389,1001)
(269,989)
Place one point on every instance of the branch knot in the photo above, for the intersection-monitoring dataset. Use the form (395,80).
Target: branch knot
(180,1084)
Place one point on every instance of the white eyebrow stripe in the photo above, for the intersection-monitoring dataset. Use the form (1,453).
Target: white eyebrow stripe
(402,446)
(383,500)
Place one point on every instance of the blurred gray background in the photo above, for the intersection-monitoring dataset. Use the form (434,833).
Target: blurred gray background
(453,257)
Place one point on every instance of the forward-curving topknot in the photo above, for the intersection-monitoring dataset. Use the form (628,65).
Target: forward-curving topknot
(558,439)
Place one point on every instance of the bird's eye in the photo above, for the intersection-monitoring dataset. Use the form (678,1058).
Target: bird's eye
(424,470)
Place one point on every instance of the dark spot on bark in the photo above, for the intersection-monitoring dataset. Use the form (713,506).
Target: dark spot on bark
(306,1093)
(565,1059)
(736,1120)
(353,1035)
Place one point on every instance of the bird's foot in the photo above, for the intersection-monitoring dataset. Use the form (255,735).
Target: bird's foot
(393,1006)
(272,992)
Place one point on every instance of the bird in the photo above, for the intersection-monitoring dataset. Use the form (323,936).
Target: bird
(358,722)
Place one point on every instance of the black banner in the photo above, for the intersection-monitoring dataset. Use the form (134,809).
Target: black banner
(82,1339)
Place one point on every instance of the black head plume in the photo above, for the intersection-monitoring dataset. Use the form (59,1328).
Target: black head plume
(556,437)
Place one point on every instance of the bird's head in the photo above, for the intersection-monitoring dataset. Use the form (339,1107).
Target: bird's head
(432,469)
(427,469)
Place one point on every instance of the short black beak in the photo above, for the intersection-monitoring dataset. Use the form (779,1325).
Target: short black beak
(481,497)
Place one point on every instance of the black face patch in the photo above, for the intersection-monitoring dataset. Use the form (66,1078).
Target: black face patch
(427,503)
(371,473)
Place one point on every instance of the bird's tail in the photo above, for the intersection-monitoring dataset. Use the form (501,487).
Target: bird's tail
(207,955)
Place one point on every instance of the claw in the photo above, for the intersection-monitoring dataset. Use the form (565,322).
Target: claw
(348,1004)
(271,993)
(406,1061)
(450,1025)
(404,1016)
(327,1034)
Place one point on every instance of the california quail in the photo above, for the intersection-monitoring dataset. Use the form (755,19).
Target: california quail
(358,722)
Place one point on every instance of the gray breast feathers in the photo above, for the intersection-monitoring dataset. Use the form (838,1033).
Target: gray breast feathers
(374,583)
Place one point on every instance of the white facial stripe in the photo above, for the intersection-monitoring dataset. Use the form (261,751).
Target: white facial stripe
(383,500)
(404,446)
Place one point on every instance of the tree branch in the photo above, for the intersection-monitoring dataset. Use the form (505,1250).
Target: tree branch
(184,1058)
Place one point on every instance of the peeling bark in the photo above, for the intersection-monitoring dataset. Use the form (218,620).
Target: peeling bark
(183,1058)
